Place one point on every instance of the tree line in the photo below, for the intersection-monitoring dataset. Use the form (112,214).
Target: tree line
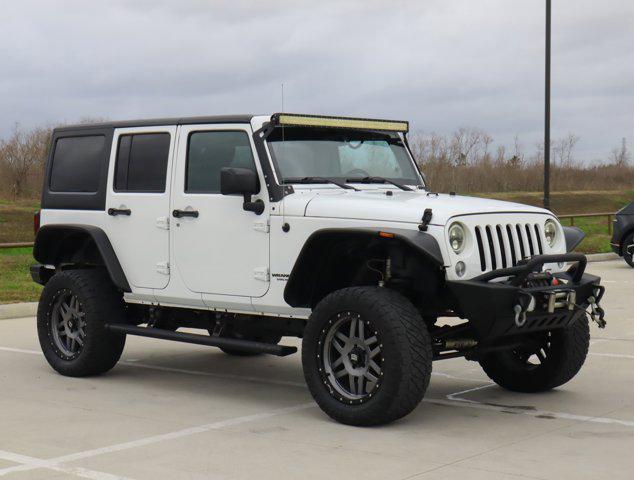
(464,161)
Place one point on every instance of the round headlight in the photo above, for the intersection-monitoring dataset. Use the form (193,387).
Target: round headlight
(456,237)
(550,232)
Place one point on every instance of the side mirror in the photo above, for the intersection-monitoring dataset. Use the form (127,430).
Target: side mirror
(242,181)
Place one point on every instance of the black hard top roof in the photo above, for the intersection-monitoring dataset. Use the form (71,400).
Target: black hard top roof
(162,121)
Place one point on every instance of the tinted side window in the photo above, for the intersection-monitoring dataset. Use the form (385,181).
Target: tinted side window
(208,152)
(77,164)
(142,162)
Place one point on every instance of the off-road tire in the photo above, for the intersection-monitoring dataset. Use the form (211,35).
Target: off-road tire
(406,355)
(569,348)
(628,257)
(101,303)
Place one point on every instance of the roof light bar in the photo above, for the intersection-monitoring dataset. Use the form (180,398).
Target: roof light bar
(298,120)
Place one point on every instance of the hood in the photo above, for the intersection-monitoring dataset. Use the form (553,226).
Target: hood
(400,206)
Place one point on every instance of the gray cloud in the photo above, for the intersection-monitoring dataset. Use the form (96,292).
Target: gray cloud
(441,64)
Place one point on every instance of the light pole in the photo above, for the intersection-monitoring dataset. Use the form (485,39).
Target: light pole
(547,112)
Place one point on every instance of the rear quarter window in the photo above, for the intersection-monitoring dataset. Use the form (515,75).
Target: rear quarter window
(77,162)
(142,162)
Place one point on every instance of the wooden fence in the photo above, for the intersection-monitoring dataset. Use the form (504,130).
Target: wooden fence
(16,245)
(572,217)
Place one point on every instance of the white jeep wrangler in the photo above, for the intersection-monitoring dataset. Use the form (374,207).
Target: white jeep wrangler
(252,228)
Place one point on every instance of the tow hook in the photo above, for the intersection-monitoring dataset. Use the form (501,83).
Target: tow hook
(596,312)
(525,304)
(520,315)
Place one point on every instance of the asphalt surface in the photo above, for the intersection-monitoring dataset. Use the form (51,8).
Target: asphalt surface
(175,411)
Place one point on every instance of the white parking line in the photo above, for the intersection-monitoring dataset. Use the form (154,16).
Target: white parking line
(32,463)
(612,355)
(452,399)
(462,402)
(214,375)
(464,392)
(55,463)
(20,350)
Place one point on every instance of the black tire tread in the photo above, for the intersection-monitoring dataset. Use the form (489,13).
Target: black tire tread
(102,303)
(573,350)
(413,345)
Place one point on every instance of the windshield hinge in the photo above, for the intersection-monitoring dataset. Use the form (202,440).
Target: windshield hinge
(425,220)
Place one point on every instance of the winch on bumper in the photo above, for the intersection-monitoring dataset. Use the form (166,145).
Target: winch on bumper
(523,299)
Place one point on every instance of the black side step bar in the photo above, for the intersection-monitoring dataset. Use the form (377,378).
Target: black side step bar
(246,345)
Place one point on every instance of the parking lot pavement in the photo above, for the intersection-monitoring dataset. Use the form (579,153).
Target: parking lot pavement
(170,410)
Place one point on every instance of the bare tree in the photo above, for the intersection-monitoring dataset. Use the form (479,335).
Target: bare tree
(468,146)
(563,151)
(20,155)
(620,156)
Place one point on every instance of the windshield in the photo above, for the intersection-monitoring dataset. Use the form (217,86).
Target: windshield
(341,154)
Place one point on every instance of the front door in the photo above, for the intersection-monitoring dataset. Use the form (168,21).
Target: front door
(137,208)
(218,248)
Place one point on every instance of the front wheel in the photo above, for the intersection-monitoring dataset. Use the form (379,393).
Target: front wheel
(545,361)
(367,356)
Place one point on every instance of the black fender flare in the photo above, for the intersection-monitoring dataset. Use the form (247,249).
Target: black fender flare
(573,236)
(311,254)
(49,244)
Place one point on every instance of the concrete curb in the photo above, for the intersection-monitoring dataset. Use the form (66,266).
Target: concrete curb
(18,310)
(602,257)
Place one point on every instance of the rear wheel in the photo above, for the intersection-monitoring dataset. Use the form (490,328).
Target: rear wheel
(547,359)
(628,249)
(73,309)
(367,356)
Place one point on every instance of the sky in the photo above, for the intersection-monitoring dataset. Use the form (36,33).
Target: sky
(442,64)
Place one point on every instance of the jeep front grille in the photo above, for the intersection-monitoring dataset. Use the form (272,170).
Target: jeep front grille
(502,246)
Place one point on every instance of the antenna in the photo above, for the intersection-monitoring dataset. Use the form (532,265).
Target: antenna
(282,97)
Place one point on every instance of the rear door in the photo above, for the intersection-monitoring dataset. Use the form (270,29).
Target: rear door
(223,250)
(137,205)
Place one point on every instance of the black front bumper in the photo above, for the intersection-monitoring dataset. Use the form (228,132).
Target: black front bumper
(521,299)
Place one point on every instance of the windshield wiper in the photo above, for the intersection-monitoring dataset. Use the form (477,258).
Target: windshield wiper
(320,180)
(380,180)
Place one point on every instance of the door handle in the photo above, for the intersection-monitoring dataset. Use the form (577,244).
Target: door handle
(185,213)
(119,211)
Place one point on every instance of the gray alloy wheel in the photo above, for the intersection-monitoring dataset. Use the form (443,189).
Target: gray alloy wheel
(351,357)
(68,325)
(367,355)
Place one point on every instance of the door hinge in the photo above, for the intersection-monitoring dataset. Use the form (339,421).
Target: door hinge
(163,267)
(163,223)
(261,273)
(261,225)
